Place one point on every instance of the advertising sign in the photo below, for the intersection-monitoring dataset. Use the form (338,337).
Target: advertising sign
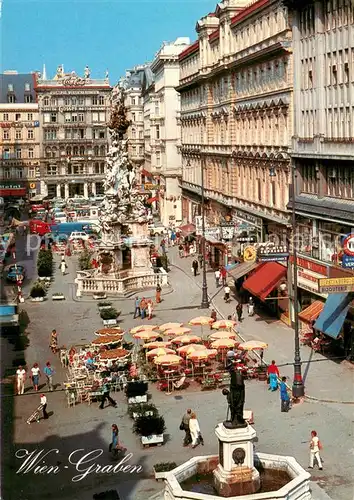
(336,285)
(277,253)
(249,254)
(348,250)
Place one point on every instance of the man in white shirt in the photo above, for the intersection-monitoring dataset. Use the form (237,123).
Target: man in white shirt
(20,380)
(227,293)
(217,277)
(44,404)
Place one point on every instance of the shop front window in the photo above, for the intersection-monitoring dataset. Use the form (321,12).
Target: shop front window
(331,236)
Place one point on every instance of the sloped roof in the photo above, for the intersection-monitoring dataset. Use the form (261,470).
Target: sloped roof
(18,82)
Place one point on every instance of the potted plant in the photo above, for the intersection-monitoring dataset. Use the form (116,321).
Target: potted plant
(161,468)
(99,295)
(138,409)
(104,305)
(37,292)
(58,296)
(150,429)
(136,392)
(45,264)
(262,372)
(109,316)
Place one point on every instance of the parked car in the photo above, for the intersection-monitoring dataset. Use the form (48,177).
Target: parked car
(14,272)
(59,217)
(79,235)
(157,228)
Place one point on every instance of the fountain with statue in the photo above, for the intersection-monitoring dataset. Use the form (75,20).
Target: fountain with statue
(124,221)
(237,472)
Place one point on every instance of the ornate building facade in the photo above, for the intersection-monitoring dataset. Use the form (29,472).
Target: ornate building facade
(20,136)
(74,112)
(165,129)
(236,116)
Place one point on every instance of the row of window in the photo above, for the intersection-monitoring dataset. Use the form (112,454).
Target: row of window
(10,87)
(6,134)
(136,101)
(54,152)
(96,117)
(134,134)
(75,101)
(7,117)
(27,98)
(18,154)
(339,181)
(79,169)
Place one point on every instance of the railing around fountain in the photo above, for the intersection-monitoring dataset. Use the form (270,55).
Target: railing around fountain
(123,282)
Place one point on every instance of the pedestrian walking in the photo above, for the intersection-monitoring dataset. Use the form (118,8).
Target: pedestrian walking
(217,278)
(49,372)
(173,238)
(185,427)
(284,396)
(143,307)
(315,447)
(273,374)
(158,293)
(44,406)
(214,317)
(53,341)
(115,447)
(250,307)
(63,265)
(195,267)
(227,293)
(239,311)
(223,275)
(150,309)
(35,374)
(20,380)
(137,311)
(106,389)
(163,246)
(180,251)
(194,429)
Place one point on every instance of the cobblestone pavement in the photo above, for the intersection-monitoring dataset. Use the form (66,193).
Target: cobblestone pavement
(88,428)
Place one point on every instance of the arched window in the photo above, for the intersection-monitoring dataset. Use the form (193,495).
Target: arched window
(54,152)
(102,150)
(48,152)
(68,151)
(46,101)
(75,151)
(101,100)
(96,151)
(82,150)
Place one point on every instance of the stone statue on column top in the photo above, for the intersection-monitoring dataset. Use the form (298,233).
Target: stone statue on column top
(236,400)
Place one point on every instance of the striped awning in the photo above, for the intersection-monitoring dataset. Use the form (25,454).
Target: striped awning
(311,312)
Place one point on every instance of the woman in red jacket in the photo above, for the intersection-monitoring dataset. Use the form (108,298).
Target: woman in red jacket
(273,374)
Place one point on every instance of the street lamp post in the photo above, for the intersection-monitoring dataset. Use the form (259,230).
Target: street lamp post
(298,388)
(205,299)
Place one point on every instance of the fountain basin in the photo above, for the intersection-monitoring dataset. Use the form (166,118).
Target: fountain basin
(282,476)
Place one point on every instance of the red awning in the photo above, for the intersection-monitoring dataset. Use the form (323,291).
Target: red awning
(311,312)
(146,173)
(13,192)
(187,229)
(264,279)
(151,200)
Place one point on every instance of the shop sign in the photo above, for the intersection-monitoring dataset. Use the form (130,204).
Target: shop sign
(150,187)
(308,280)
(246,217)
(227,231)
(246,239)
(278,253)
(249,254)
(348,250)
(336,285)
(309,265)
(212,232)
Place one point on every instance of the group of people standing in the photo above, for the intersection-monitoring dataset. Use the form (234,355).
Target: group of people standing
(143,307)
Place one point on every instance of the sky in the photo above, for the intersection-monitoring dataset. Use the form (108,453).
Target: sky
(103,34)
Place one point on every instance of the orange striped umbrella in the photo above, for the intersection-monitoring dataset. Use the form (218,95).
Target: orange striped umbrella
(223,343)
(146,335)
(201,321)
(109,331)
(161,351)
(223,323)
(140,328)
(223,334)
(169,359)
(114,354)
(109,339)
(186,339)
(187,349)
(202,355)
(156,345)
(180,330)
(169,326)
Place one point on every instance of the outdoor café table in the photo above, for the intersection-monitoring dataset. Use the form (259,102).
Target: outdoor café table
(168,373)
(93,395)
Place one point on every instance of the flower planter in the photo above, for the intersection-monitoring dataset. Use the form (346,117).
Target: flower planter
(44,278)
(58,297)
(37,299)
(138,399)
(153,439)
(99,296)
(159,475)
(109,322)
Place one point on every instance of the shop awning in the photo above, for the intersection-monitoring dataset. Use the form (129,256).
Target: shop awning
(13,192)
(242,269)
(335,310)
(146,173)
(311,312)
(264,279)
(151,200)
(187,229)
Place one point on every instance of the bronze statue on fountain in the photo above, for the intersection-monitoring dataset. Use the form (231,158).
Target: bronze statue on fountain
(236,400)
(118,121)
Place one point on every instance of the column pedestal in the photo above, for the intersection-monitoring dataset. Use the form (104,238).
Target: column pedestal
(86,193)
(93,189)
(66,191)
(140,249)
(59,191)
(236,475)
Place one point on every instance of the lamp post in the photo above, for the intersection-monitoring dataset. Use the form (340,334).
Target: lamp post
(298,388)
(205,299)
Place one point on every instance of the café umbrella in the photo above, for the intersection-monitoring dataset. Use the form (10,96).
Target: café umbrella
(156,345)
(109,331)
(168,360)
(187,349)
(146,335)
(160,351)
(222,334)
(169,326)
(223,343)
(252,345)
(108,340)
(223,323)
(113,354)
(186,339)
(201,355)
(201,321)
(179,330)
(141,328)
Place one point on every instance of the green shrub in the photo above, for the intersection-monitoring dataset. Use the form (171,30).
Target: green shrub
(85,259)
(109,313)
(104,304)
(45,263)
(146,426)
(165,466)
(37,290)
(141,409)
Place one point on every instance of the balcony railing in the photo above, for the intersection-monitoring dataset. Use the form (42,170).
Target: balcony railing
(73,177)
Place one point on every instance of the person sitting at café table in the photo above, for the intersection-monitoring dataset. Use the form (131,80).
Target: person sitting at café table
(90,365)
